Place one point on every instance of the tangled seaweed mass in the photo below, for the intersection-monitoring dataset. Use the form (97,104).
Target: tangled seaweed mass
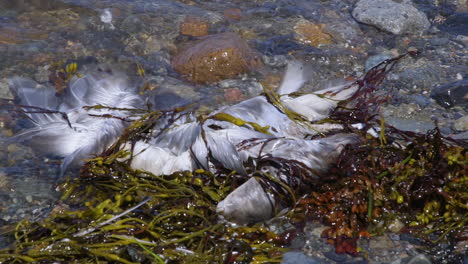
(115,213)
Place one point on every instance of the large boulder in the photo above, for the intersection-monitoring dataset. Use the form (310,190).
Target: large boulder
(394,17)
(214,58)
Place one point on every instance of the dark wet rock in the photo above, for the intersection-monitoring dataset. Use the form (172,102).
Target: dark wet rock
(439,41)
(397,18)
(298,241)
(451,94)
(421,100)
(136,254)
(376,59)
(433,8)
(278,45)
(167,101)
(456,24)
(294,257)
(335,256)
(412,239)
(214,58)
(419,259)
(417,75)
(264,11)
(175,86)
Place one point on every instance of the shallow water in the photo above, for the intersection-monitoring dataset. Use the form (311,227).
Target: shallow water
(36,33)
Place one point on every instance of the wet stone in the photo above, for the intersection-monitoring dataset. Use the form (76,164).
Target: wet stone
(194,26)
(394,17)
(421,100)
(311,34)
(373,61)
(294,257)
(233,13)
(278,45)
(461,124)
(456,24)
(214,58)
(233,95)
(5,92)
(62,19)
(411,239)
(419,259)
(335,256)
(451,94)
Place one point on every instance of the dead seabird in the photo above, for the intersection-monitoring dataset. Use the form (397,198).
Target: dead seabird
(189,143)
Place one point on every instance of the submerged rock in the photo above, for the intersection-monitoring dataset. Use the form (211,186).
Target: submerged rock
(311,34)
(194,26)
(461,124)
(451,94)
(419,259)
(456,24)
(397,18)
(214,58)
(294,257)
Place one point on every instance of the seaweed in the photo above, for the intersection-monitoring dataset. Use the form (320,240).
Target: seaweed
(116,214)
(393,174)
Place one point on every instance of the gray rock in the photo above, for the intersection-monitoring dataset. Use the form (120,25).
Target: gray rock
(461,124)
(335,256)
(419,259)
(373,61)
(299,258)
(419,126)
(451,94)
(456,24)
(420,100)
(397,18)
(5,92)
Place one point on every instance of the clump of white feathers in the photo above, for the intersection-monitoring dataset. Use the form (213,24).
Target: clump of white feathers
(188,143)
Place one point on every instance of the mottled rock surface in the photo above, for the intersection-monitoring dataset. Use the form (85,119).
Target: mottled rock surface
(394,17)
(311,34)
(194,26)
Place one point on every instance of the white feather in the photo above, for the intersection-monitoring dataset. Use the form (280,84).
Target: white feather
(293,78)
(88,135)
(159,161)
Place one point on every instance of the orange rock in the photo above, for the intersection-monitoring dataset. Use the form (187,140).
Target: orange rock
(233,95)
(194,26)
(214,58)
(311,34)
(233,13)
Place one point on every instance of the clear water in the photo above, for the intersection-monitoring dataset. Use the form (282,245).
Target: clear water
(37,33)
